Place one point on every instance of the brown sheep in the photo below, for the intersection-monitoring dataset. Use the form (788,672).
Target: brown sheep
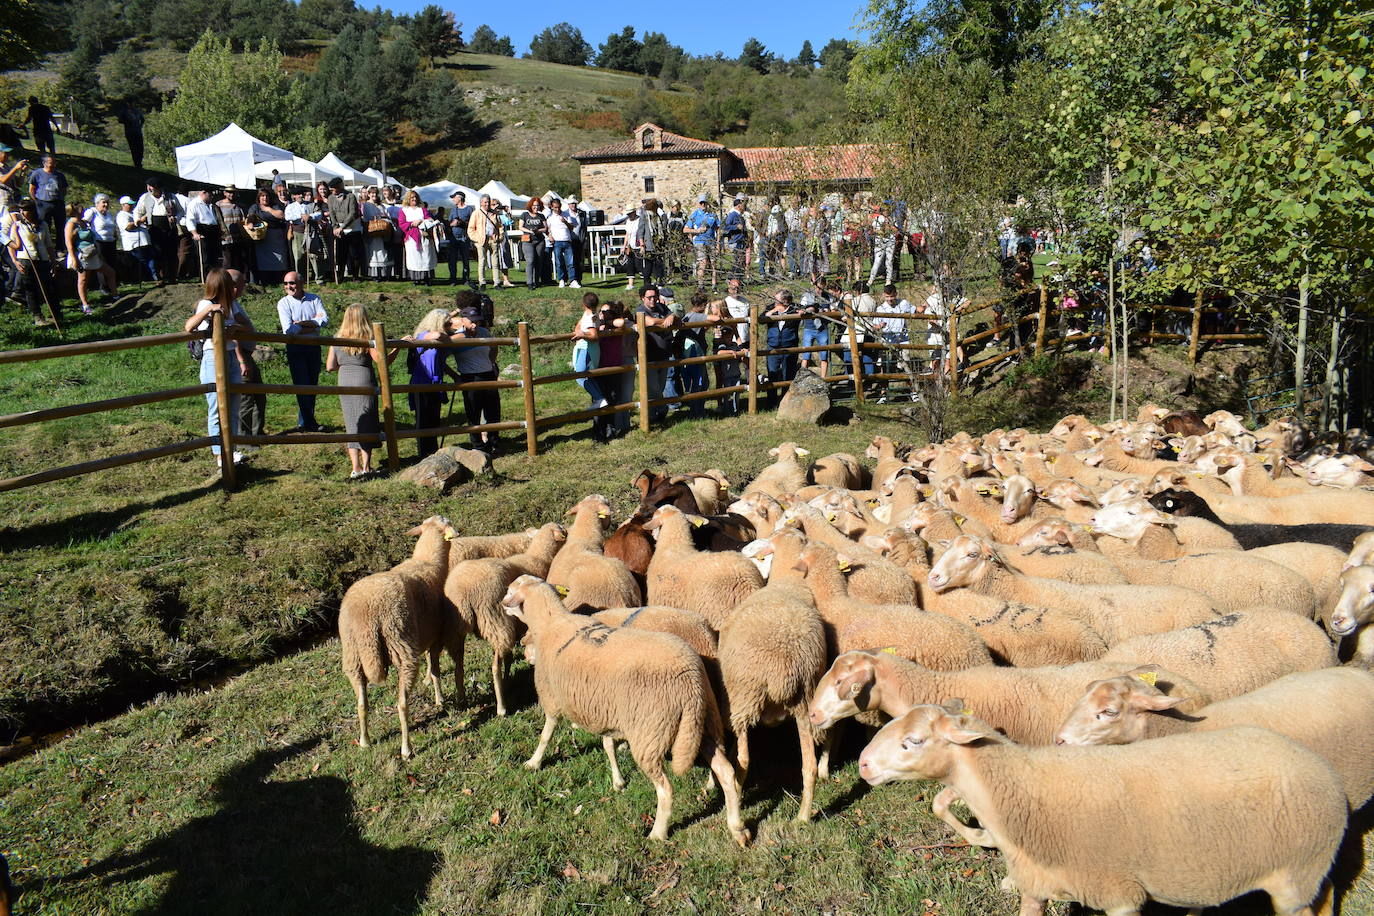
(392,617)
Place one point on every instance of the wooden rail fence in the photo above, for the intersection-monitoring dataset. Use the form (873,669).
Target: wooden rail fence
(847,327)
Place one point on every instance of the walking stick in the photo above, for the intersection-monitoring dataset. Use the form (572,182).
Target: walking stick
(335,255)
(200,256)
(42,287)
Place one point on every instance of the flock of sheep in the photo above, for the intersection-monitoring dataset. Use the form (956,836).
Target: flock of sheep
(1105,640)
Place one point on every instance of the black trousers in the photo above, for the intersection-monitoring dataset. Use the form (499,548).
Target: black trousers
(482,406)
(428,406)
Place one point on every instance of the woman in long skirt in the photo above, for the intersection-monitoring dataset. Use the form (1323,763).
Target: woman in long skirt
(419,229)
(358,367)
(270,254)
(379,265)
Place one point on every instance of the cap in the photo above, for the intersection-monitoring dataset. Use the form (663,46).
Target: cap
(154,182)
(701,198)
(665,292)
(739,198)
(6,148)
(462,194)
(470,313)
(126,199)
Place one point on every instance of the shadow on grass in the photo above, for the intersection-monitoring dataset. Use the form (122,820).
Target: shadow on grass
(274,847)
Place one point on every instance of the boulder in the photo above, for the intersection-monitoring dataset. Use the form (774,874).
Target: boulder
(438,472)
(807,400)
(475,460)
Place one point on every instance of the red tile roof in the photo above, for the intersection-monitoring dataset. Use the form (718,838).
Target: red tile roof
(855,161)
(673,145)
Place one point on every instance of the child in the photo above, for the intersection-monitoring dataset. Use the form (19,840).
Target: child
(726,340)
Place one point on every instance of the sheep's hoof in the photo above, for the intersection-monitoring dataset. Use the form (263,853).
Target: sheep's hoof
(531,764)
(742,837)
(500,710)
(618,785)
(822,772)
(659,833)
(405,753)
(803,817)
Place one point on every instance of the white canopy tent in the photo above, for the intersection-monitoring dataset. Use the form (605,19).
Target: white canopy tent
(504,195)
(376,177)
(228,157)
(295,170)
(342,169)
(551,194)
(439,194)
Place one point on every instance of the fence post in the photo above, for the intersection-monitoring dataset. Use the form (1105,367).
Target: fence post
(855,353)
(1043,319)
(1197,326)
(753,327)
(952,352)
(642,345)
(226,419)
(393,448)
(527,388)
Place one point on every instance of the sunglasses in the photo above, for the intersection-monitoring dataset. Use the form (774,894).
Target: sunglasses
(291,283)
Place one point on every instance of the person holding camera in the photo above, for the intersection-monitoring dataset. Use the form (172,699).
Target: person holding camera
(476,364)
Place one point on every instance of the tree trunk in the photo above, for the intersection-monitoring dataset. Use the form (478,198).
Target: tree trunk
(1334,398)
(1300,353)
(1111,325)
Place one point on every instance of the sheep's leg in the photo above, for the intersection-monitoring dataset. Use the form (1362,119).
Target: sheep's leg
(455,652)
(498,679)
(725,774)
(1364,647)
(1289,901)
(1030,906)
(742,751)
(403,709)
(832,741)
(360,690)
(436,652)
(549,723)
(808,763)
(664,790)
(974,837)
(608,745)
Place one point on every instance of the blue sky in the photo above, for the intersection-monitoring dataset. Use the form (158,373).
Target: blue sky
(698,26)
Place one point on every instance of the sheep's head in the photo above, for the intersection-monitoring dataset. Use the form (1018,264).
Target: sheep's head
(1018,498)
(595,503)
(1052,532)
(1361,552)
(879,446)
(1355,607)
(922,744)
(518,592)
(760,552)
(1115,710)
(817,556)
(966,560)
(553,531)
(1063,493)
(1163,480)
(1128,520)
(436,523)
(847,689)
(788,451)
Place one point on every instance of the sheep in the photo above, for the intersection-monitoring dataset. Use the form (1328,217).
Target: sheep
(473,590)
(648,687)
(711,489)
(1329,711)
(1117,612)
(839,470)
(1233,580)
(772,653)
(963,497)
(1341,471)
(1189,504)
(784,476)
(1353,611)
(1235,653)
(1191,820)
(1361,551)
(660,490)
(631,544)
(679,575)
(495,546)
(1028,704)
(592,579)
(1320,506)
(884,451)
(934,640)
(1184,423)
(390,618)
(1055,549)
(689,626)
(877,580)
(1015,634)
(760,510)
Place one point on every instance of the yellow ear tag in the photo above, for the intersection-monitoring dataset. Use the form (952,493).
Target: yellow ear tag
(450,534)
(871,502)
(562,590)
(959,519)
(890,650)
(844,567)
(985,491)
(966,712)
(603,515)
(697,521)
(1148,677)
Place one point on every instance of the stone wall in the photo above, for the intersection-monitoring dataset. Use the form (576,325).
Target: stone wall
(611,186)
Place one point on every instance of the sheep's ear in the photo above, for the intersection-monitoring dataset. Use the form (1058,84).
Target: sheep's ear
(843,562)
(1153,701)
(801,452)
(696,520)
(873,542)
(416,531)
(944,543)
(773,452)
(959,729)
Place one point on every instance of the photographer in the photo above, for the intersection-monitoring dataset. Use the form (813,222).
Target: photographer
(476,364)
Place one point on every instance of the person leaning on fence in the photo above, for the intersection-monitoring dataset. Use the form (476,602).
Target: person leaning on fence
(725,341)
(31,249)
(357,368)
(660,322)
(586,355)
(302,313)
(815,331)
(252,407)
(428,365)
(218,297)
(782,367)
(692,343)
(481,406)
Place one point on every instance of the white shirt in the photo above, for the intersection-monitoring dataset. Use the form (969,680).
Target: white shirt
(291,310)
(936,308)
(738,307)
(231,318)
(559,230)
(197,215)
(296,213)
(149,206)
(30,242)
(102,224)
(131,236)
(894,325)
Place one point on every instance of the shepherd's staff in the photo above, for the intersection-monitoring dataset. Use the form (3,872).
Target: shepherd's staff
(335,256)
(42,287)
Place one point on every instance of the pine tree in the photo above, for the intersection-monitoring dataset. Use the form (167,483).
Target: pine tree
(484,41)
(78,90)
(754,55)
(806,57)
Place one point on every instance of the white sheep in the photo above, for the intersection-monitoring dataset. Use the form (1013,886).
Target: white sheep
(679,575)
(647,687)
(592,579)
(1330,711)
(839,470)
(1354,610)
(784,476)
(392,617)
(1191,820)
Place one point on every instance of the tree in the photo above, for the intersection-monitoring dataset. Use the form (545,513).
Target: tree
(26,34)
(835,58)
(354,91)
(436,33)
(484,41)
(327,18)
(754,55)
(659,58)
(437,107)
(806,57)
(472,167)
(251,88)
(561,44)
(621,51)
(126,79)
(78,87)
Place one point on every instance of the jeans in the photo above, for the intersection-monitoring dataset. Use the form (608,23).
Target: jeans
(207,374)
(883,249)
(781,368)
(656,379)
(692,379)
(304,362)
(812,337)
(142,256)
(586,356)
(793,247)
(563,261)
(458,248)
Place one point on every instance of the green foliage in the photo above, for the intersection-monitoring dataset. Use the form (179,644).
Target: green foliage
(327,18)
(27,32)
(657,57)
(755,56)
(218,86)
(472,167)
(436,105)
(126,79)
(436,33)
(252,21)
(78,87)
(561,44)
(620,51)
(836,56)
(355,92)
(484,41)
(806,57)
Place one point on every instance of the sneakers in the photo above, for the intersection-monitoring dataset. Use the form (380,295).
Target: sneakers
(575,285)
(630,285)
(562,284)
(356,475)
(87,310)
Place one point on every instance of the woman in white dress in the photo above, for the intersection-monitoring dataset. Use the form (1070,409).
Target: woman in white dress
(378,247)
(418,227)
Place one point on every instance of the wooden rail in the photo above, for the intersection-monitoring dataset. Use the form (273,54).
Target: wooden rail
(854,333)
